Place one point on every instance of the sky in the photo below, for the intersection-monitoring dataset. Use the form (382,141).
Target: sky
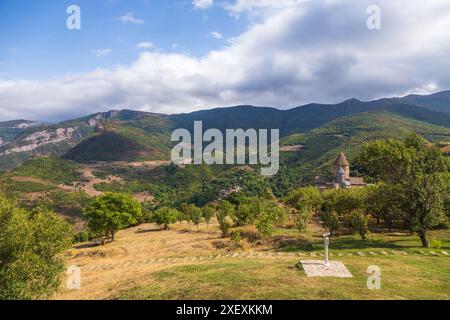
(173,56)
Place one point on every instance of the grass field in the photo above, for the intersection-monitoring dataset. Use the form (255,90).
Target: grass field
(146,263)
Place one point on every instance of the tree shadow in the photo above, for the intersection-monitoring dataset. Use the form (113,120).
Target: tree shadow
(293,244)
(149,230)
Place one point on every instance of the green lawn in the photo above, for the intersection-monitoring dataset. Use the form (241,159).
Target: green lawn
(403,277)
(408,271)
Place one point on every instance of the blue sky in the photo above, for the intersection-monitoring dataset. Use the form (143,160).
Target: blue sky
(173,56)
(36,43)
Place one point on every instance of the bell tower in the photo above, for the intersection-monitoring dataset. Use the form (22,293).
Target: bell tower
(341,162)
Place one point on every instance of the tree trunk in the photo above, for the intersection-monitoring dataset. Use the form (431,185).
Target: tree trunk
(423,239)
(113,236)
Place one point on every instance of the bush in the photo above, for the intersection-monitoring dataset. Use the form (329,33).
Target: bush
(250,233)
(80,237)
(301,222)
(436,244)
(236,237)
(226,224)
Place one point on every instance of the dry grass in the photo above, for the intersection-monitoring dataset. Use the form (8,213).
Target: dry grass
(147,263)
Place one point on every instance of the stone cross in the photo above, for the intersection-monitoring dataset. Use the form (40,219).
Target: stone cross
(326,241)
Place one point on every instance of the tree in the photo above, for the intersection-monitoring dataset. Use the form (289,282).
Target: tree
(304,200)
(384,202)
(183,213)
(112,212)
(165,216)
(208,213)
(224,209)
(419,171)
(31,247)
(247,212)
(195,214)
(268,215)
(358,222)
(343,201)
(225,214)
(330,221)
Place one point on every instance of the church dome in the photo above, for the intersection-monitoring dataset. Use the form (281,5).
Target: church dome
(341,160)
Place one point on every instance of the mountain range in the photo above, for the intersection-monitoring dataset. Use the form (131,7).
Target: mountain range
(321,129)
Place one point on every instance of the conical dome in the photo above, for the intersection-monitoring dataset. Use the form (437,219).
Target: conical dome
(341,160)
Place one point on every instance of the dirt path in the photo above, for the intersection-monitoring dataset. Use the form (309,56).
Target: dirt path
(89,180)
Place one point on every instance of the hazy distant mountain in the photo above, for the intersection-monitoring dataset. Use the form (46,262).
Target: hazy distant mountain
(11,129)
(439,101)
(133,135)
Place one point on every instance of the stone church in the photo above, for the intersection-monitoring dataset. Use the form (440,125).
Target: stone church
(340,178)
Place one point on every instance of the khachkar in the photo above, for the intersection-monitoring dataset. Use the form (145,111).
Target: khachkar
(325,268)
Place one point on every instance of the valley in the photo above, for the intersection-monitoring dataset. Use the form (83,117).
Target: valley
(66,167)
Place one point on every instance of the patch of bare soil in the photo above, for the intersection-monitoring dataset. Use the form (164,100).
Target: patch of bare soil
(291,148)
(89,180)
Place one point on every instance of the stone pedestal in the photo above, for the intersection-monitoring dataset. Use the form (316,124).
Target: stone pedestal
(316,268)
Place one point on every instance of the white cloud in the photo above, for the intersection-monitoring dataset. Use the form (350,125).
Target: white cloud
(203,4)
(259,7)
(145,45)
(101,52)
(216,35)
(316,51)
(129,18)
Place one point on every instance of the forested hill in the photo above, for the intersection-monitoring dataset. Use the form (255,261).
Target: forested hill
(129,135)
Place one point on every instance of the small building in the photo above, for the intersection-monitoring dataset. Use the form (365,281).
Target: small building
(340,178)
(223,194)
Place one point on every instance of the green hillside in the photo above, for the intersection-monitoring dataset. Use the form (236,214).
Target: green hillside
(145,139)
(128,135)
(320,146)
(52,169)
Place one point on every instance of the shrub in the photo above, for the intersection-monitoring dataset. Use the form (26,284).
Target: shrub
(301,222)
(436,244)
(250,233)
(80,237)
(236,237)
(226,224)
